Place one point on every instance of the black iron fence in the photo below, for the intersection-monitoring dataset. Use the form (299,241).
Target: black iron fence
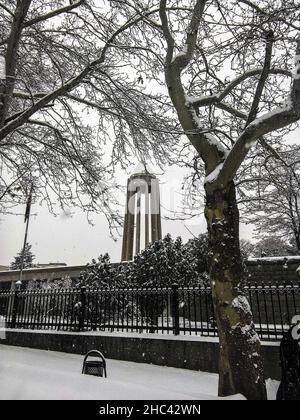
(172,310)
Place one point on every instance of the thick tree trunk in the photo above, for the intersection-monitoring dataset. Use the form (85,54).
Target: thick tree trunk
(297,237)
(241,368)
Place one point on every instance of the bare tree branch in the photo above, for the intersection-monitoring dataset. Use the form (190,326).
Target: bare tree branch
(54,13)
(11,57)
(262,81)
(217,98)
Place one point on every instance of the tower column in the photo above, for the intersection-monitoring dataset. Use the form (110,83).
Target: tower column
(159,229)
(140,183)
(131,216)
(138,223)
(154,210)
(128,238)
(146,215)
(126,222)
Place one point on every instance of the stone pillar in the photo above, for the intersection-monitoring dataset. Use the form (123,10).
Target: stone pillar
(138,223)
(155,217)
(130,231)
(146,215)
(125,229)
(128,237)
(159,220)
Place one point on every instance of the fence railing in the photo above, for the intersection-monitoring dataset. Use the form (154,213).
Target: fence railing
(173,310)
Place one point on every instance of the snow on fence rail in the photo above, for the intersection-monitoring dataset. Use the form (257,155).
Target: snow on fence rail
(171,310)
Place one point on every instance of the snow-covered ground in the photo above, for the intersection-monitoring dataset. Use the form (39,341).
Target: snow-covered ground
(35,374)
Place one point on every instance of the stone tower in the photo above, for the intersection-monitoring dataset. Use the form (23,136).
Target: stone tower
(142,223)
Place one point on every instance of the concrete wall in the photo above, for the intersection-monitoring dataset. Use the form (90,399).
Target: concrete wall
(183,352)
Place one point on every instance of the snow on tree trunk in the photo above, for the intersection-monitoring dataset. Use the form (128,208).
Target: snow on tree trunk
(241,368)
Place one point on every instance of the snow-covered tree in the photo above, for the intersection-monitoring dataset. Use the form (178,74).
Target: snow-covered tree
(232,78)
(100,274)
(247,248)
(270,196)
(233,75)
(166,262)
(70,106)
(197,251)
(27,259)
(273,246)
(161,264)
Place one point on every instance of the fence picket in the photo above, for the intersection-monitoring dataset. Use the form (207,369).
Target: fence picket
(146,310)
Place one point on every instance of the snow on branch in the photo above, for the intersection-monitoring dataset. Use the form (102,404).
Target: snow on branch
(2,68)
(296,73)
(274,120)
(54,13)
(262,80)
(185,56)
(181,54)
(214,174)
(202,101)
(69,86)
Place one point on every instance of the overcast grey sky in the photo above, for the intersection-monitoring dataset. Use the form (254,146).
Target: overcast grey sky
(74,241)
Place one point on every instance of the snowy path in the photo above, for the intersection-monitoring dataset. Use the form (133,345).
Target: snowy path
(36,374)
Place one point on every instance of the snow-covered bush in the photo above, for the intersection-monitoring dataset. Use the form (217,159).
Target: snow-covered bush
(100,273)
(163,263)
(169,261)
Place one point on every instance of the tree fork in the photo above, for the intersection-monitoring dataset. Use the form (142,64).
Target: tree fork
(240,364)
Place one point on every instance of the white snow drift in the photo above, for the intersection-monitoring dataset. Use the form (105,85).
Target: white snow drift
(34,374)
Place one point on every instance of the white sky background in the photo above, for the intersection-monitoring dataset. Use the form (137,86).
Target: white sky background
(74,241)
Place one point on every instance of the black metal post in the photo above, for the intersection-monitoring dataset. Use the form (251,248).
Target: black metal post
(15,308)
(175,308)
(27,218)
(82,308)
